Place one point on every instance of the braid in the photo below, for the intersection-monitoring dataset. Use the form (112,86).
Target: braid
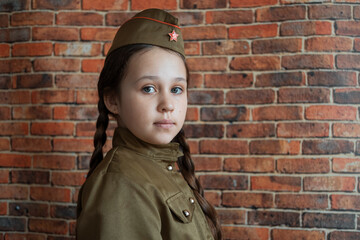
(100,135)
(187,169)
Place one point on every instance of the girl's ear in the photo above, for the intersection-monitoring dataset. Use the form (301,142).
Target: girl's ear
(111,103)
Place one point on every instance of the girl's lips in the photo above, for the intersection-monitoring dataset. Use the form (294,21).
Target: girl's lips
(164,123)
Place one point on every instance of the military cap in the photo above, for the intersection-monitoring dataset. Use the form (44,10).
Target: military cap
(152,26)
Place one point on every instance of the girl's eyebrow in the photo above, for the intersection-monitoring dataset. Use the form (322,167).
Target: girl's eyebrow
(155,78)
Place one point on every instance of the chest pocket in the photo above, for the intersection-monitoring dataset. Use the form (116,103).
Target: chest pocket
(181,207)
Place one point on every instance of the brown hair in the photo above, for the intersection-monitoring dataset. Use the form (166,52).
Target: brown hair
(110,77)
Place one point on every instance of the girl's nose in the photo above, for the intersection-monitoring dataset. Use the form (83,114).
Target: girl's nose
(165,105)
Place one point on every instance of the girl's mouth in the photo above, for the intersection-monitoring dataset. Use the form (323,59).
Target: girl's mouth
(164,124)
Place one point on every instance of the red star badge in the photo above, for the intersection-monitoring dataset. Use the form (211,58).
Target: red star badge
(173,36)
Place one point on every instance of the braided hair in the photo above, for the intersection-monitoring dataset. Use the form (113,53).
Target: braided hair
(113,71)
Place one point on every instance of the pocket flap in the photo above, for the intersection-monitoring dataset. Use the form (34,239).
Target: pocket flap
(180,205)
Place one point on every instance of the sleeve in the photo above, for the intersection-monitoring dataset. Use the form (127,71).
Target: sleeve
(114,208)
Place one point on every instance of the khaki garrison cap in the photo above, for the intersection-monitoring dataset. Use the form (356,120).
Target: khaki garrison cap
(151,26)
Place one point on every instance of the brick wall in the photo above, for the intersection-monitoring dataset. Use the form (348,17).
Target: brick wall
(272,122)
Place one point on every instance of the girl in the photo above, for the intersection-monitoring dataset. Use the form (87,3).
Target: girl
(135,192)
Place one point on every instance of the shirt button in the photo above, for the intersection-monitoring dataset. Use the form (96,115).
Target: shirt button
(169,168)
(186,213)
(191,200)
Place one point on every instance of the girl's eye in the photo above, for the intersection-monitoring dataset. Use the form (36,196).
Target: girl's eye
(176,90)
(149,89)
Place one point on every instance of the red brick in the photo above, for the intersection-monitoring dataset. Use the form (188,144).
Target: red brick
(85,129)
(207,64)
(195,81)
(163,4)
(328,44)
(327,78)
(61,211)
(14,97)
(229,80)
(225,47)
(13,192)
(345,202)
(105,5)
(204,130)
(224,182)
(280,234)
(214,198)
(79,18)
(87,96)
(229,17)
(52,128)
(328,220)
(277,45)
(205,97)
(250,96)
(207,163)
(346,130)
(3,210)
(77,49)
(92,65)
(247,164)
(276,183)
(50,194)
(76,81)
(53,96)
(28,209)
(57,162)
(22,236)
(276,14)
(329,12)
(347,96)
(253,31)
(347,28)
(233,232)
(48,4)
(231,216)
(204,33)
(192,48)
(303,165)
(256,63)
(76,113)
(327,112)
(192,114)
(251,3)
(4,144)
(306,61)
(305,28)
(117,18)
(4,50)
(15,66)
(224,147)
(347,61)
(224,114)
(274,218)
(301,201)
(15,160)
(278,113)
(346,165)
(5,82)
(329,184)
(68,178)
(98,34)
(308,129)
(4,178)
(4,20)
(30,177)
(327,146)
(14,128)
(356,12)
(280,79)
(14,35)
(32,112)
(32,18)
(57,65)
(15,5)
(33,81)
(55,33)
(251,130)
(31,144)
(48,226)
(73,145)
(189,18)
(338,235)
(277,147)
(304,95)
(247,199)
(200,4)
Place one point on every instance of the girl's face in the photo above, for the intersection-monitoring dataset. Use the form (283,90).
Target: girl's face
(153,95)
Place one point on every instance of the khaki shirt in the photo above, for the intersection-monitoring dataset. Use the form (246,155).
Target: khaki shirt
(136,193)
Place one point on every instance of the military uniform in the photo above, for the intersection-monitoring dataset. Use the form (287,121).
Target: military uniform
(137,193)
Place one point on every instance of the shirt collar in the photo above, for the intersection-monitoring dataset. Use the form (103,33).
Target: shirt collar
(165,152)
